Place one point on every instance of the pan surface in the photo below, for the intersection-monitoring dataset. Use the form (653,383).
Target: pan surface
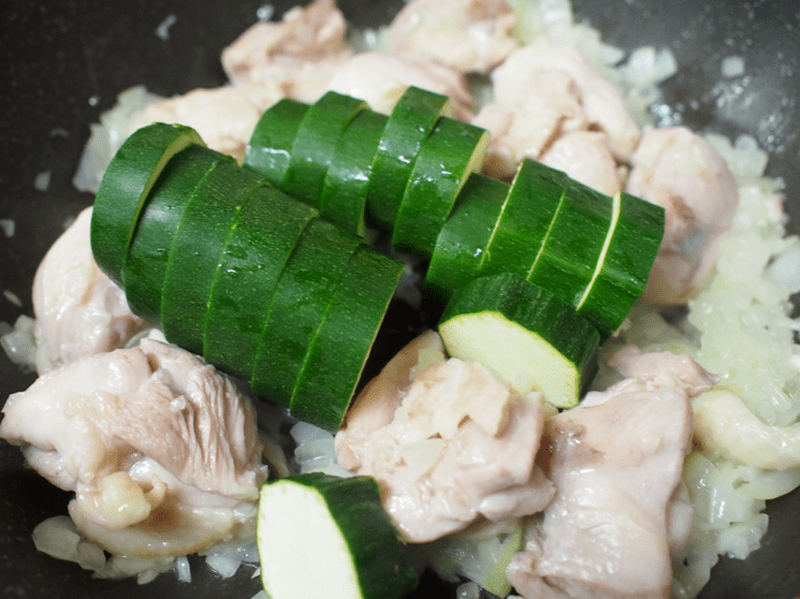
(64,62)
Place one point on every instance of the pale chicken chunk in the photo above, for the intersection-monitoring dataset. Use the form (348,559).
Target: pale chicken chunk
(467,35)
(224,117)
(459,445)
(79,311)
(298,54)
(586,157)
(161,450)
(380,79)
(616,462)
(680,171)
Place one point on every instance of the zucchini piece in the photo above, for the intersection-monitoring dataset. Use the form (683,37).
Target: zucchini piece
(323,536)
(146,264)
(411,121)
(196,250)
(527,336)
(574,243)
(452,152)
(341,345)
(301,296)
(344,190)
(263,236)
(533,201)
(314,146)
(270,147)
(621,273)
(460,250)
(125,186)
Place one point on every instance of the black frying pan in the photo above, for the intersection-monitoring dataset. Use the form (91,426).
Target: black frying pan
(64,62)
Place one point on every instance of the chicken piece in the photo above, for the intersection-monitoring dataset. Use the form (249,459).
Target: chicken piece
(380,79)
(680,171)
(298,55)
(224,117)
(459,444)
(466,35)
(79,311)
(161,450)
(616,462)
(543,91)
(585,156)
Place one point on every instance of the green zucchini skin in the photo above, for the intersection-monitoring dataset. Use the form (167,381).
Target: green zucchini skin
(301,296)
(126,185)
(451,152)
(196,250)
(375,565)
(337,354)
(343,199)
(262,238)
(146,263)
(270,147)
(315,144)
(411,121)
(461,246)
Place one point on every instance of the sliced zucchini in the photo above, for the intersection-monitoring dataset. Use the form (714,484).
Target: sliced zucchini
(460,250)
(270,147)
(411,121)
(344,191)
(196,250)
(146,263)
(527,336)
(452,152)
(315,143)
(301,296)
(341,345)
(125,186)
(263,236)
(323,536)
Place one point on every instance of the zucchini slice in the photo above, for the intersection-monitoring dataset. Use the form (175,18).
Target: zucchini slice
(452,152)
(344,190)
(341,345)
(301,296)
(411,121)
(527,336)
(270,147)
(323,536)
(196,249)
(263,236)
(146,264)
(125,186)
(460,250)
(315,143)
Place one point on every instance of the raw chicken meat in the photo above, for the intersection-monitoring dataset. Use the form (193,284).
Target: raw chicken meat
(466,35)
(616,462)
(79,311)
(458,445)
(680,171)
(161,450)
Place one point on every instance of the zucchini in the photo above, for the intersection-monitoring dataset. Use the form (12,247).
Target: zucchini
(628,254)
(411,121)
(263,236)
(460,250)
(452,152)
(125,186)
(315,143)
(526,335)
(146,263)
(301,296)
(323,536)
(196,250)
(270,147)
(341,345)
(344,191)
